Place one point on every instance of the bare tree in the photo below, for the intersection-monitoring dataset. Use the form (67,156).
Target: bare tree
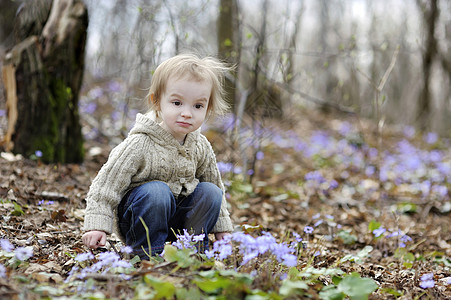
(229,33)
(43,74)
(430,17)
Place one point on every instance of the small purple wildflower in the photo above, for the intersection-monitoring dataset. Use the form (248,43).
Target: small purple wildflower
(319,222)
(38,153)
(127,249)
(199,237)
(2,112)
(23,253)
(297,237)
(316,216)
(2,271)
(379,231)
(427,281)
(84,256)
(108,258)
(308,229)
(121,264)
(6,245)
(448,281)
(290,260)
(224,167)
(431,138)
(259,155)
(317,253)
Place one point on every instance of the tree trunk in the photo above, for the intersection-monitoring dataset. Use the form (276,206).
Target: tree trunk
(431,15)
(48,60)
(228,41)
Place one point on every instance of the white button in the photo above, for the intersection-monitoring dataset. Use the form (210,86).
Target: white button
(182,180)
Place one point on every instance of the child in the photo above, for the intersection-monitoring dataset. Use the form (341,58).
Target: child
(164,173)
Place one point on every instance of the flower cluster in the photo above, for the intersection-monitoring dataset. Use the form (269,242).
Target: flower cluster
(315,182)
(20,253)
(188,241)
(106,262)
(403,238)
(250,248)
(15,255)
(427,281)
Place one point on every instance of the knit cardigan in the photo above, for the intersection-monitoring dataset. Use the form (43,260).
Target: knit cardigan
(150,153)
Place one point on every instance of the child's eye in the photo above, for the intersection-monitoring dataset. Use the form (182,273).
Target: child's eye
(177,103)
(199,106)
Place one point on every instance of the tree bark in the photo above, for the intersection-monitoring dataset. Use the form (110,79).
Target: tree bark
(228,41)
(431,15)
(48,60)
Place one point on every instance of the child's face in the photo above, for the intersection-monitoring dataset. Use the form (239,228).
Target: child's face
(183,106)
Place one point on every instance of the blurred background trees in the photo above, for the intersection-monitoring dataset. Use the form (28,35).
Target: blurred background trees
(287,53)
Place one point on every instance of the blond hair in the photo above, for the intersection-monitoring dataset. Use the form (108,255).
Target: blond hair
(200,69)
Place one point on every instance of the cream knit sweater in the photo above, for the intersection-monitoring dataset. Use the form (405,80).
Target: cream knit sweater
(151,153)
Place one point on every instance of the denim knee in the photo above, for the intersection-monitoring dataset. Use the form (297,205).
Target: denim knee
(213,193)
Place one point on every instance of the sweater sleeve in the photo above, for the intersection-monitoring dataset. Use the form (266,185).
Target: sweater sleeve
(110,184)
(208,172)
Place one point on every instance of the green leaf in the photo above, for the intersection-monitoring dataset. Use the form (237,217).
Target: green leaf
(373,226)
(391,291)
(357,288)
(192,293)
(347,237)
(359,256)
(17,210)
(290,288)
(181,256)
(331,293)
(163,289)
(406,207)
(213,285)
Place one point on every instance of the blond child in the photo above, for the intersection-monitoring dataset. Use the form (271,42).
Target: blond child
(164,173)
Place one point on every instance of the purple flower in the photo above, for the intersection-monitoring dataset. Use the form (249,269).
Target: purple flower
(2,112)
(23,253)
(290,260)
(379,231)
(427,276)
(121,264)
(38,153)
(114,86)
(199,237)
(431,138)
(260,155)
(127,249)
(2,271)
(108,258)
(405,238)
(449,280)
(6,245)
(319,222)
(409,132)
(427,281)
(224,167)
(308,229)
(297,237)
(84,256)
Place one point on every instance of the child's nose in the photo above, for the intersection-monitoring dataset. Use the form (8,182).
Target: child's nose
(186,113)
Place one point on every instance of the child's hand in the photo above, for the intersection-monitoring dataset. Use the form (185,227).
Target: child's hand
(94,239)
(221,235)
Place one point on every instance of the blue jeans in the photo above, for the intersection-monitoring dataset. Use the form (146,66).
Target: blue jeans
(164,214)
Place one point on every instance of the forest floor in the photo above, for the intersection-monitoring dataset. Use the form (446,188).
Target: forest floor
(317,171)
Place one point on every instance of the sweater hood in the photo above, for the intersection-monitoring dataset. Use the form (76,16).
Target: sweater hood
(146,124)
